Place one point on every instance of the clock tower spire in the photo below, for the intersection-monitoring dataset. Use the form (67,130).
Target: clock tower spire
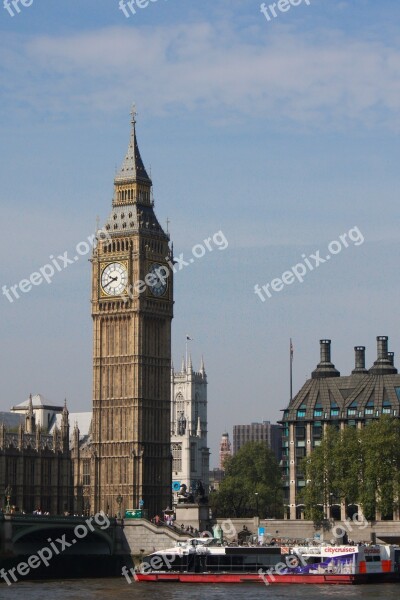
(132,309)
(132,168)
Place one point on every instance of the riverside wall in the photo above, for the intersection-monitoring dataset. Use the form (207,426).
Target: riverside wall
(382,531)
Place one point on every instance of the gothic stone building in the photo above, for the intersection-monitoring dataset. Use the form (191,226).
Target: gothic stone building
(191,455)
(35,466)
(340,401)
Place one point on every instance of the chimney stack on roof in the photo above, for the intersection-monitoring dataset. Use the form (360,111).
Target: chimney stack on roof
(359,360)
(384,362)
(325,368)
(382,343)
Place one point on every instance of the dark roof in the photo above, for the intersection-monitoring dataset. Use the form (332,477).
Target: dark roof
(132,168)
(353,391)
(11,419)
(375,389)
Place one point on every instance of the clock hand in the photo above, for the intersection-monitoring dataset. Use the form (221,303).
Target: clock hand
(112,279)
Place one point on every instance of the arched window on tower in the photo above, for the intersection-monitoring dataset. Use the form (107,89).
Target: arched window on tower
(176,457)
(180,405)
(86,472)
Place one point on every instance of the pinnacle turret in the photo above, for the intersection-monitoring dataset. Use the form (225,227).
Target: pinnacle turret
(30,421)
(30,406)
(65,414)
(202,367)
(65,428)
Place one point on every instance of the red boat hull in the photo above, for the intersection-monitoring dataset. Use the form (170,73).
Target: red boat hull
(268,579)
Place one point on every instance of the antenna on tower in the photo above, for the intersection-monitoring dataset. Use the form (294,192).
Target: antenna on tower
(134,114)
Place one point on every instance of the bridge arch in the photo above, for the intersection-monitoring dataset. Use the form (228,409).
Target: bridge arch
(30,539)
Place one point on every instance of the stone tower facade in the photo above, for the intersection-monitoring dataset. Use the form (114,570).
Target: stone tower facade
(132,309)
(225,450)
(191,455)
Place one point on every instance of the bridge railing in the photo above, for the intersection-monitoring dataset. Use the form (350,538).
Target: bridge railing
(50,518)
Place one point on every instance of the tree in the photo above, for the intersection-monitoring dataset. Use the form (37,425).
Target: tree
(320,472)
(355,466)
(380,476)
(347,460)
(252,484)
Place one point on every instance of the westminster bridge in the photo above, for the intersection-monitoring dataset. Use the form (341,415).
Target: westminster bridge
(70,546)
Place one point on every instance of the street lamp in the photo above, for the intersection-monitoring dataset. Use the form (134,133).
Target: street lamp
(8,494)
(119,502)
(330,504)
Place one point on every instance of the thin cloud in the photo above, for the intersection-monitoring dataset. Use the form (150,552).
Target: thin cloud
(325,81)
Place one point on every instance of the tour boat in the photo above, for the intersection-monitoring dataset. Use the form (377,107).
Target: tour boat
(209,561)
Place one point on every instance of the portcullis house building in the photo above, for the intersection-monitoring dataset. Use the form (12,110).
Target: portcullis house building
(328,398)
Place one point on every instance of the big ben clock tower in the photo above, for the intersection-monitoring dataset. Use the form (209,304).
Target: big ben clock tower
(132,309)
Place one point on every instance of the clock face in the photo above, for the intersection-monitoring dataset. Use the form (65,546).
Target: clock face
(114,279)
(159,285)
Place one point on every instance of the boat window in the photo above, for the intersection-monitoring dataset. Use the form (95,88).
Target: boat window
(313,560)
(397,555)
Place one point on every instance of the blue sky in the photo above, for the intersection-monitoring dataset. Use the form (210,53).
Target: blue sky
(282,134)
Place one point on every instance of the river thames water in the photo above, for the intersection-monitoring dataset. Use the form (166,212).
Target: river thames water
(107,589)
